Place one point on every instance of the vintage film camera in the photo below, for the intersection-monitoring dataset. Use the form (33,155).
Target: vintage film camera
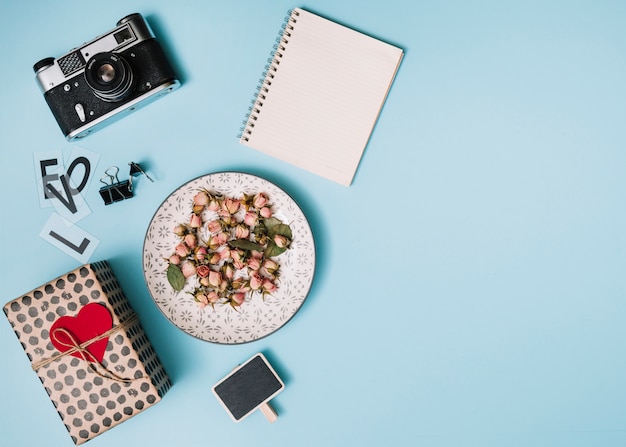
(106,78)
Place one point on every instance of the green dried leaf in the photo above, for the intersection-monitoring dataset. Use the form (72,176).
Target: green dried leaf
(273,250)
(283,230)
(175,277)
(259,230)
(276,227)
(245,244)
(271,223)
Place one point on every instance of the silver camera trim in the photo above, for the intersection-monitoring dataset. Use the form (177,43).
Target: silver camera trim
(52,75)
(128,108)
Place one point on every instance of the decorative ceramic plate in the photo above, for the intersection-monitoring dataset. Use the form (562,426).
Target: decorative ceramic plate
(258,316)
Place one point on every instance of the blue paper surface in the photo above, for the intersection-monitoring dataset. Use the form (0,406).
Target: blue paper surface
(470,283)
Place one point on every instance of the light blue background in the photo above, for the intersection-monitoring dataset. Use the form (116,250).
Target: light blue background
(470,286)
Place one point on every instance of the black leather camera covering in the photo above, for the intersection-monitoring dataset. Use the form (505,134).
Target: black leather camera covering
(150,68)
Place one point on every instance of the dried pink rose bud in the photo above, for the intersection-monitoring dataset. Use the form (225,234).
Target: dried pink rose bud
(260,200)
(231,205)
(238,283)
(265,212)
(191,241)
(213,242)
(238,298)
(256,281)
(222,238)
(242,231)
(202,271)
(228,271)
(254,264)
(251,219)
(212,296)
(201,299)
(215,258)
(227,219)
(281,241)
(214,204)
(238,255)
(195,221)
(200,253)
(174,259)
(269,286)
(180,230)
(188,269)
(223,285)
(182,250)
(270,266)
(201,199)
(224,254)
(215,278)
(214,226)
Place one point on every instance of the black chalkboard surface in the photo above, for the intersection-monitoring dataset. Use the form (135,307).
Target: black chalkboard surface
(248,387)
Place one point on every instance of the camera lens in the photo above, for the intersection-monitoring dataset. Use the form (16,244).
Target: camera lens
(106,73)
(109,76)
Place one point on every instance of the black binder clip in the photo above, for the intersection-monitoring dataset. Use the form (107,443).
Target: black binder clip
(114,190)
(135,169)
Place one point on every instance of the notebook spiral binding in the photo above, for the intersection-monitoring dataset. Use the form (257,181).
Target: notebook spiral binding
(268,75)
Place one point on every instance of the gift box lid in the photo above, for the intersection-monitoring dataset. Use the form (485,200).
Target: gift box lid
(88,348)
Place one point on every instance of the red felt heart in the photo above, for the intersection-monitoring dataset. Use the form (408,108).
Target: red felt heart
(91,321)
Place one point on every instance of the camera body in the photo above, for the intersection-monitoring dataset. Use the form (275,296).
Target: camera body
(106,78)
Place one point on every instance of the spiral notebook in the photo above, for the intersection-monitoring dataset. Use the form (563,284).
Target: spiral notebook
(321,95)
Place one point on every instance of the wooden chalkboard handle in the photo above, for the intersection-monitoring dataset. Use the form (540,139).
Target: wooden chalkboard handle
(269,412)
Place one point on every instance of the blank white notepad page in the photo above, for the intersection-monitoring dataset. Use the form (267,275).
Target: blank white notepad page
(320,108)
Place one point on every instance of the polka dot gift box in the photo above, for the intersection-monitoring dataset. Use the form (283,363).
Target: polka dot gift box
(89,350)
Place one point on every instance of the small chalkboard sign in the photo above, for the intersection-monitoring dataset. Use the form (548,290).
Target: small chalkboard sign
(248,387)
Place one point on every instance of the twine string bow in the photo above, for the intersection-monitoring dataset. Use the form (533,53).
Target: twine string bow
(69,341)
